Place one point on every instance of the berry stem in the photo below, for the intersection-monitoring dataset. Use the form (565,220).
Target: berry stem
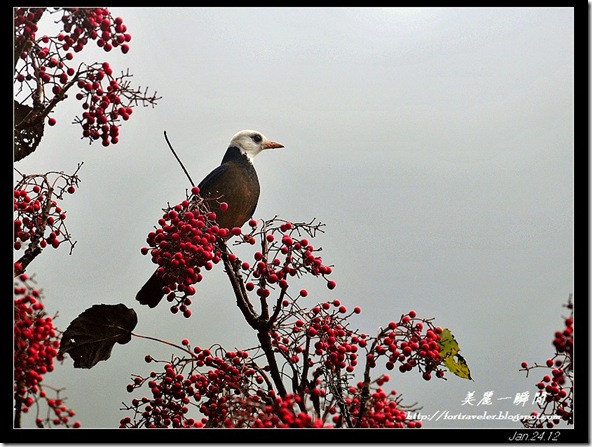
(174,345)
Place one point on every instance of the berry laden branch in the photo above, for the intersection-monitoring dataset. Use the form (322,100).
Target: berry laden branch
(44,72)
(264,270)
(39,219)
(36,343)
(307,356)
(555,392)
(261,323)
(301,372)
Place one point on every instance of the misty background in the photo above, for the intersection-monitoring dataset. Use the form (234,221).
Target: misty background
(435,144)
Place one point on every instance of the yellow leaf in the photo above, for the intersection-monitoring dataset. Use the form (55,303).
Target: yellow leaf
(448,345)
(455,362)
(458,366)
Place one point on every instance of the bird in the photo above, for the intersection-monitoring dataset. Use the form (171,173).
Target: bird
(234,182)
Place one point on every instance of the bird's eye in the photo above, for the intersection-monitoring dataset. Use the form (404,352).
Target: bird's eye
(256,138)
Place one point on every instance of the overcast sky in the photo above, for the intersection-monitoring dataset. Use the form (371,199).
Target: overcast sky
(436,144)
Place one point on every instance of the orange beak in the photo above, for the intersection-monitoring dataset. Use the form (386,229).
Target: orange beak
(271,145)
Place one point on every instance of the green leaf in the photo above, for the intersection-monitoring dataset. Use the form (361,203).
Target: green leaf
(455,362)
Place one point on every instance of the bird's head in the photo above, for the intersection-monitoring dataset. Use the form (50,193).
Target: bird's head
(251,142)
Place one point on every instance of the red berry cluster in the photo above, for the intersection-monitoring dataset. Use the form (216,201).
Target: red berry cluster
(286,254)
(35,340)
(380,409)
(45,70)
(47,62)
(220,394)
(82,24)
(286,412)
(183,244)
(405,342)
(30,219)
(563,340)
(79,24)
(102,104)
(39,220)
(231,394)
(555,390)
(25,24)
(333,347)
(61,413)
(36,345)
(324,328)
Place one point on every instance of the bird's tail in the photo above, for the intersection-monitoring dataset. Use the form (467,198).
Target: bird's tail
(151,293)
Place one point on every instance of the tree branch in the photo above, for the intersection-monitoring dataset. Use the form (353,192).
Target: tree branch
(260,324)
(366,389)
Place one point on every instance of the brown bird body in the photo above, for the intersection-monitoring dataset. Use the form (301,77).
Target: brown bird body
(234,182)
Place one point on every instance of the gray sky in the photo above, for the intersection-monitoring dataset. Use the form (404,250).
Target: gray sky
(436,144)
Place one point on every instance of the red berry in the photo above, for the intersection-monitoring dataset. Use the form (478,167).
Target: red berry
(263,293)
(51,121)
(331,284)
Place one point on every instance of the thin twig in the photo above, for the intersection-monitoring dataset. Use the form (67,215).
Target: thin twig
(175,154)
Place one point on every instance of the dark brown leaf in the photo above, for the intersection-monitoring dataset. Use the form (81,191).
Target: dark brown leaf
(91,336)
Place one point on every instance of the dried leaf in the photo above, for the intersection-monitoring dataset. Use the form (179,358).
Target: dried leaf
(91,336)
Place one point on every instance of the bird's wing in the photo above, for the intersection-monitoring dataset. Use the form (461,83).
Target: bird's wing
(210,185)
(242,197)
